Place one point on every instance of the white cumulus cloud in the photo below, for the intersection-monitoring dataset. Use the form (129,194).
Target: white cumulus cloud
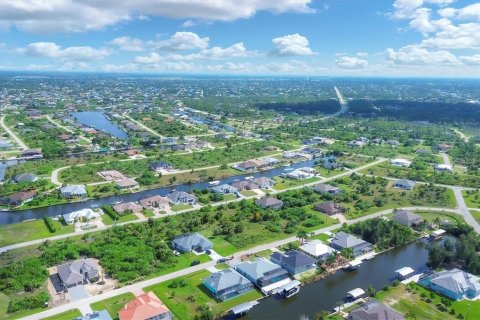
(52,50)
(291,45)
(416,55)
(182,41)
(351,63)
(128,44)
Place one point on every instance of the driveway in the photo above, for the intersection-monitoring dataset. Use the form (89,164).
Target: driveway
(77,293)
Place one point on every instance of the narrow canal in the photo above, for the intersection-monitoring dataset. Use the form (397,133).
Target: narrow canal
(7,217)
(326,293)
(98,121)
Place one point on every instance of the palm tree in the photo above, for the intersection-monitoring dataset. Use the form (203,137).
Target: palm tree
(410,315)
(302,234)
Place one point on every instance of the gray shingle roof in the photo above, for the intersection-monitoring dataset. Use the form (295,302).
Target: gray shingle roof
(345,240)
(456,280)
(191,240)
(375,310)
(225,279)
(258,268)
(73,272)
(294,258)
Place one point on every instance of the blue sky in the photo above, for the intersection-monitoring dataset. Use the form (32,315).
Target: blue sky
(297,37)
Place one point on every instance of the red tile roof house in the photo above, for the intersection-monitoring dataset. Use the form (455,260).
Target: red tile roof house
(144,307)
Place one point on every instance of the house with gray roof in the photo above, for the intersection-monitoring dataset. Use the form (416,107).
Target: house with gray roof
(96,315)
(343,240)
(407,218)
(191,242)
(181,197)
(224,189)
(262,272)
(374,310)
(269,203)
(264,182)
(294,261)
(156,201)
(404,184)
(73,191)
(227,284)
(455,284)
(326,188)
(25,177)
(245,185)
(78,272)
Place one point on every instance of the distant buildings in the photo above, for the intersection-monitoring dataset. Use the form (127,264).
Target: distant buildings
(404,163)
(443,168)
(224,189)
(127,184)
(25,177)
(159,202)
(330,208)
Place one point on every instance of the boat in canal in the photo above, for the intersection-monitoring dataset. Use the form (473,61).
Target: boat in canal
(290,289)
(213,183)
(353,265)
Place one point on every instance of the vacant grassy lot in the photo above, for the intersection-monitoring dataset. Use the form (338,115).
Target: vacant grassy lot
(68,315)
(30,230)
(443,216)
(184,302)
(127,217)
(113,305)
(472,198)
(285,183)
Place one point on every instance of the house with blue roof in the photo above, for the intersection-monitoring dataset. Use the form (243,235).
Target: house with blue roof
(225,189)
(227,284)
(454,284)
(265,274)
(294,261)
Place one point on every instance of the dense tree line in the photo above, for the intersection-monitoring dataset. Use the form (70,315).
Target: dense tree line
(310,107)
(382,233)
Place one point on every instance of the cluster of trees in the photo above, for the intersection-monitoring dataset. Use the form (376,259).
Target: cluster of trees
(310,107)
(168,128)
(467,154)
(462,253)
(384,234)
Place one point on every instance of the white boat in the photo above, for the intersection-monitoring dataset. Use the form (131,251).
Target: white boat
(213,183)
(290,289)
(249,178)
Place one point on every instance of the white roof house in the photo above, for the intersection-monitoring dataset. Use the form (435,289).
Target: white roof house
(401,163)
(317,249)
(443,167)
(86,213)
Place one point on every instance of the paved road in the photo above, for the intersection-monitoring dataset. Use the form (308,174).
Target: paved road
(66,129)
(144,126)
(81,304)
(463,209)
(446,159)
(12,134)
(461,134)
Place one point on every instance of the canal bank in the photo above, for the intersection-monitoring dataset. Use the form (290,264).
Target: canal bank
(98,121)
(325,294)
(14,216)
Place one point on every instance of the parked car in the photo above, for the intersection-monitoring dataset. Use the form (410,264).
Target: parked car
(175,252)
(194,263)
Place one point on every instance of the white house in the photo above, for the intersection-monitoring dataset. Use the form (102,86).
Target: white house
(443,167)
(404,163)
(87,214)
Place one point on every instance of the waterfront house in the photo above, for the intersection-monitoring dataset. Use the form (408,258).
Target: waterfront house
(25,177)
(191,242)
(95,315)
(298,174)
(269,203)
(245,185)
(146,306)
(406,218)
(326,188)
(159,202)
(264,182)
(374,310)
(127,207)
(224,189)
(127,183)
(181,197)
(78,272)
(227,284)
(294,261)
(317,249)
(265,274)
(455,284)
(79,215)
(249,165)
(329,208)
(343,240)
(73,191)
(404,184)
(111,175)
(18,198)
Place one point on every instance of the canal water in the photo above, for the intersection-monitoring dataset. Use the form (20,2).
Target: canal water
(99,121)
(7,217)
(326,293)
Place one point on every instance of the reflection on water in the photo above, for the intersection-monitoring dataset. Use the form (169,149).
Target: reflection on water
(98,121)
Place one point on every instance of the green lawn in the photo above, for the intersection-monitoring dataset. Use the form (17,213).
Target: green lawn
(148,213)
(285,183)
(472,198)
(476,215)
(184,302)
(4,301)
(128,217)
(183,261)
(248,193)
(30,230)
(404,301)
(180,207)
(68,315)
(113,305)
(322,237)
(430,216)
(222,247)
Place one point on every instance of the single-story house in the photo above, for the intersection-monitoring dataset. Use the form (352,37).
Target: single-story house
(326,188)
(294,261)
(160,166)
(146,306)
(264,182)
(407,218)
(87,214)
(78,272)
(317,249)
(159,202)
(18,198)
(374,309)
(25,177)
(181,197)
(404,163)
(455,284)
(298,174)
(443,168)
(329,208)
(32,154)
(343,240)
(227,284)
(443,147)
(263,273)
(191,242)
(224,189)
(124,207)
(269,203)
(95,315)
(404,184)
(249,165)
(245,185)
(127,183)
(73,191)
